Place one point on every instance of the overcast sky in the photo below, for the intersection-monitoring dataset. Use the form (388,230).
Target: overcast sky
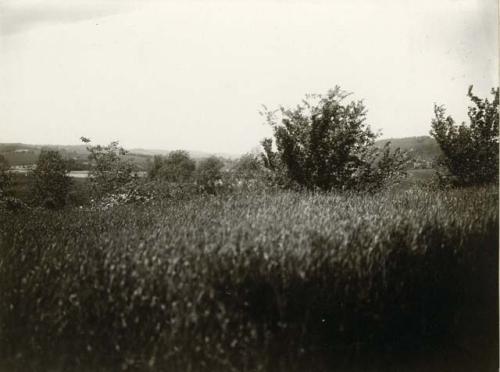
(194,74)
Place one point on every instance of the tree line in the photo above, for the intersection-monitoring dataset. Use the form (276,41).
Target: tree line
(324,143)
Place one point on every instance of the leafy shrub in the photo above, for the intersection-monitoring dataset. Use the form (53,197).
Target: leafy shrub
(145,191)
(470,152)
(248,166)
(209,173)
(51,183)
(249,173)
(109,170)
(177,166)
(326,144)
(155,167)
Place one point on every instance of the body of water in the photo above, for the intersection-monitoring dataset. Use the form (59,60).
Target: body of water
(73,174)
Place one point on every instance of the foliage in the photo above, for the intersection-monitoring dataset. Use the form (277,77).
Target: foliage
(250,166)
(324,143)
(470,152)
(254,282)
(250,173)
(155,167)
(5,177)
(209,173)
(8,200)
(11,203)
(177,166)
(145,191)
(109,170)
(51,183)
(421,148)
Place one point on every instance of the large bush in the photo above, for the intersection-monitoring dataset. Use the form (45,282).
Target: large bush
(51,183)
(470,152)
(249,172)
(177,166)
(209,173)
(154,167)
(325,143)
(109,171)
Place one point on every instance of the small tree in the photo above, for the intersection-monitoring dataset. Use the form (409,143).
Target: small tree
(51,183)
(177,166)
(325,143)
(470,152)
(249,167)
(154,170)
(250,173)
(109,169)
(209,172)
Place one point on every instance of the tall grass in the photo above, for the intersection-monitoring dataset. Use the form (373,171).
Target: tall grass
(254,282)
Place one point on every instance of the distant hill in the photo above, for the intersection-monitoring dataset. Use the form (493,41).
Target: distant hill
(420,148)
(193,154)
(27,154)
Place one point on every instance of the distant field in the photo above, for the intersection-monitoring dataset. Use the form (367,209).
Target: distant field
(396,281)
(419,176)
(22,188)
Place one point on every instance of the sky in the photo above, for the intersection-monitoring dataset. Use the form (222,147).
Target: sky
(194,74)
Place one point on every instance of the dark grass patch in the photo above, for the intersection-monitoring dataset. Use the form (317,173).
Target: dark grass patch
(269,282)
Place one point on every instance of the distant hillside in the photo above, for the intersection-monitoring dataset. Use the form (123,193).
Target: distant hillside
(420,148)
(27,154)
(193,154)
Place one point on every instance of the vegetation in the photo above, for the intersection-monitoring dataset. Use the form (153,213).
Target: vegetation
(51,184)
(326,144)
(249,167)
(155,167)
(177,166)
(280,261)
(5,177)
(470,152)
(109,170)
(21,154)
(254,282)
(209,173)
(422,151)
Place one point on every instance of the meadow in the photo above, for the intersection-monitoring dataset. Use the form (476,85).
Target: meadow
(400,280)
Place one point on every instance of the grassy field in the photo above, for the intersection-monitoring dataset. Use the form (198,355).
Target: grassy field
(22,188)
(397,281)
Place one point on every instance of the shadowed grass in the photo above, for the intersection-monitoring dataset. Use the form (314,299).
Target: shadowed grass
(272,282)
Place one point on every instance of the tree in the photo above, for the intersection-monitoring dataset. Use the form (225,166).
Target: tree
(248,167)
(209,172)
(326,144)
(51,183)
(470,152)
(177,166)
(109,169)
(155,167)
